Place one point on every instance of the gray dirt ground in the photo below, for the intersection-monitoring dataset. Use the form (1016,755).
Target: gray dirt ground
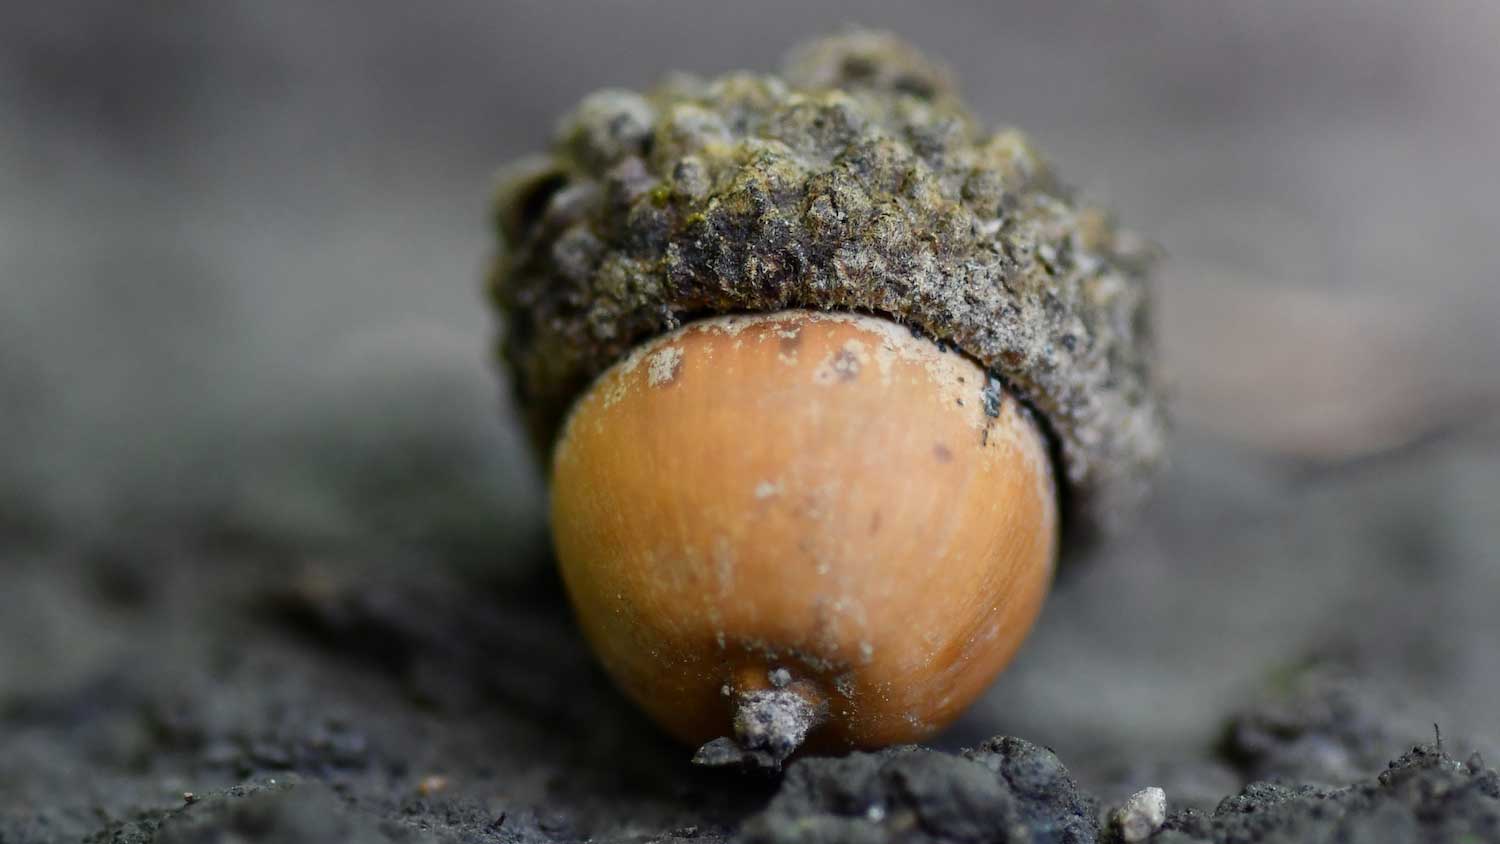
(265,539)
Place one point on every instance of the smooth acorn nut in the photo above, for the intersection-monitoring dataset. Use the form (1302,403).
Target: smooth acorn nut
(802,525)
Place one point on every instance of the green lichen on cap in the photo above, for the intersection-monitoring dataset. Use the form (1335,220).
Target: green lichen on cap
(854,181)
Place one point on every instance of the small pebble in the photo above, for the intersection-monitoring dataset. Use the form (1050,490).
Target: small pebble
(1142,815)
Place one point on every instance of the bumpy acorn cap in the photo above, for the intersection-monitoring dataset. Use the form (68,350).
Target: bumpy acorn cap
(855,181)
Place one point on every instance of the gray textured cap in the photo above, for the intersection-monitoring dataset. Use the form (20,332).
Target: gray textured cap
(856,180)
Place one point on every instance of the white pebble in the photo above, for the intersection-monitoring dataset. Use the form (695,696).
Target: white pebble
(1142,815)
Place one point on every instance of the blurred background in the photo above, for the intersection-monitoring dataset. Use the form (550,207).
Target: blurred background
(242,333)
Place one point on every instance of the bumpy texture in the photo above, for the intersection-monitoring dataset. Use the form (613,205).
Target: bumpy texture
(855,181)
(1006,790)
(1425,796)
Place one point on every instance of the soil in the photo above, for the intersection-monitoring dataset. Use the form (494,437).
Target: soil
(223,687)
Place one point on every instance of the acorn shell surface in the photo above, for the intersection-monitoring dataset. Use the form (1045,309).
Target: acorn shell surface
(821,492)
(855,180)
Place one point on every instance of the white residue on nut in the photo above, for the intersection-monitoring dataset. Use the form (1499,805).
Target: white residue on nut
(664,365)
(843,365)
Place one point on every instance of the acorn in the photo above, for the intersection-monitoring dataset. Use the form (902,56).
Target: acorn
(825,376)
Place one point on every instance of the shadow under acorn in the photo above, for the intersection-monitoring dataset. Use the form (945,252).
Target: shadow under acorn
(504,648)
